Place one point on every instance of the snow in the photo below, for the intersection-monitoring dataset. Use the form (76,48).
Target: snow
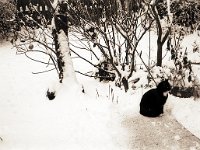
(186,112)
(68,69)
(74,120)
(30,121)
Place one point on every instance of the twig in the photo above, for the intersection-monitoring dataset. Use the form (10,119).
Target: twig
(43,71)
(83,58)
(37,60)
(105,77)
(195,63)
(85,74)
(97,93)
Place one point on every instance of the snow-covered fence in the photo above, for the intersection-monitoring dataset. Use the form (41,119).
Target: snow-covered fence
(34,8)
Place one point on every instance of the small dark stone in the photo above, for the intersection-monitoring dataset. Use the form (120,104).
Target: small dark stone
(50,95)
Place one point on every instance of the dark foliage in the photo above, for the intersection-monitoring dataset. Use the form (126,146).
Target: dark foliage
(7,22)
(33,12)
(94,11)
(153,101)
(185,14)
(183,92)
(162,8)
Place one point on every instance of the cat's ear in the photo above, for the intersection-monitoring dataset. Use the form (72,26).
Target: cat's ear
(164,80)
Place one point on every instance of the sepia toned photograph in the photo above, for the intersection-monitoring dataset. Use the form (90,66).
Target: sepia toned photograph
(99,74)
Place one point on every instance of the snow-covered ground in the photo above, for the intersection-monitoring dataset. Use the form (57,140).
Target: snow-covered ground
(74,120)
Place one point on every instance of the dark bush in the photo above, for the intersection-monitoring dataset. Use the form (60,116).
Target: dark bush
(7,19)
(185,14)
(104,72)
(183,92)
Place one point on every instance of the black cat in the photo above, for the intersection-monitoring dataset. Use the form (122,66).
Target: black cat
(153,101)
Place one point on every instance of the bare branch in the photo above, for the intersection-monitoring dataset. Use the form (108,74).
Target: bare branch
(43,71)
(83,58)
(37,60)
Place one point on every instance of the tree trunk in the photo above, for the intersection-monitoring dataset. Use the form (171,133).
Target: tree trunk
(60,34)
(125,84)
(161,37)
(159,53)
(60,37)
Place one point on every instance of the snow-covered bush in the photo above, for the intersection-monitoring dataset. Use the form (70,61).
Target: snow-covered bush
(183,77)
(184,80)
(112,34)
(139,79)
(159,74)
(182,73)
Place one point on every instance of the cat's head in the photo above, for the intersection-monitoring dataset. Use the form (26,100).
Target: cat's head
(164,86)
